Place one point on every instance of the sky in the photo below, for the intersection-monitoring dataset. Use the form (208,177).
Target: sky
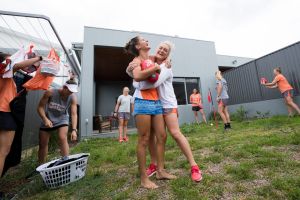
(248,28)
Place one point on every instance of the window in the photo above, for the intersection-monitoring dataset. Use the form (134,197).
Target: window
(183,88)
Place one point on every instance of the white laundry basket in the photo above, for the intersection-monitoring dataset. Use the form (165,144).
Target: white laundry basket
(64,174)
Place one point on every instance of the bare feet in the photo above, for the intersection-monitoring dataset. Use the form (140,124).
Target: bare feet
(148,184)
(164,175)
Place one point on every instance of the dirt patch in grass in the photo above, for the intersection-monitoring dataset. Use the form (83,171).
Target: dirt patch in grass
(204,152)
(292,150)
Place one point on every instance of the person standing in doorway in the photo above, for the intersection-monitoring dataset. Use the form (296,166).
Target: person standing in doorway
(223,99)
(196,101)
(123,109)
(54,112)
(286,90)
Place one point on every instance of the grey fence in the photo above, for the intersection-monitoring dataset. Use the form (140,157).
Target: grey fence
(244,81)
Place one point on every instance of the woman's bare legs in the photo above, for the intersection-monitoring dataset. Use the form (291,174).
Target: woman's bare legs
(227,114)
(196,116)
(290,102)
(173,127)
(222,114)
(143,124)
(121,125)
(63,141)
(161,138)
(44,137)
(203,115)
(152,147)
(6,139)
(125,128)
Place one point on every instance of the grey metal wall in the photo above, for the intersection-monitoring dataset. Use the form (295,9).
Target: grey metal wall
(244,81)
(32,120)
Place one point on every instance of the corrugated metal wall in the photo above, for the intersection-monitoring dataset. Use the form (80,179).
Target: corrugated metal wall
(32,120)
(244,81)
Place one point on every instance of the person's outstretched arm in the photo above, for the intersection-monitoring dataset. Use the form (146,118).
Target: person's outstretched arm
(26,63)
(41,108)
(163,76)
(74,118)
(116,110)
(274,82)
(274,86)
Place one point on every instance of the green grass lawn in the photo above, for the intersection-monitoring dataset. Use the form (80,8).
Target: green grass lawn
(257,159)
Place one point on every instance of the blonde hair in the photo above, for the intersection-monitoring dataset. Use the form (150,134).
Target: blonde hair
(170,45)
(126,88)
(218,75)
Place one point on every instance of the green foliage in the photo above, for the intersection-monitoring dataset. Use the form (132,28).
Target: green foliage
(240,114)
(262,115)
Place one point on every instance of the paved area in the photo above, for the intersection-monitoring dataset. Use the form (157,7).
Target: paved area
(112,134)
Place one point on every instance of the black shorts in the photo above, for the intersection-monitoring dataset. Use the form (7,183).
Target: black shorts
(196,108)
(7,121)
(53,128)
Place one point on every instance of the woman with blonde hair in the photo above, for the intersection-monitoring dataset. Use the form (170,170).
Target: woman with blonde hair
(170,112)
(223,99)
(123,108)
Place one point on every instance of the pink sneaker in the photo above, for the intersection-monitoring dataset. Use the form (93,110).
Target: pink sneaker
(196,173)
(121,140)
(151,170)
(125,139)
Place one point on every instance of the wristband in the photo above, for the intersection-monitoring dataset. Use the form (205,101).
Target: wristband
(74,129)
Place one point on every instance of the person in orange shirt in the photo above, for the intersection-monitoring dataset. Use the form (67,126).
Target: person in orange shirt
(8,92)
(285,89)
(196,101)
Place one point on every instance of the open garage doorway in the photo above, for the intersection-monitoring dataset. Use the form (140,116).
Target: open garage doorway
(110,77)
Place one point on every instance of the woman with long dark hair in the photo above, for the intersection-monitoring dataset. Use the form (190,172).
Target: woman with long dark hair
(147,111)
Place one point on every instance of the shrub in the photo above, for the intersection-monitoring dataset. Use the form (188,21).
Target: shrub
(262,115)
(240,114)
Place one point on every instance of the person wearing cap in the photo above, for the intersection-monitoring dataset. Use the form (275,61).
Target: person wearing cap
(122,111)
(54,112)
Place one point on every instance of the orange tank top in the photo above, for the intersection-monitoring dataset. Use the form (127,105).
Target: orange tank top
(195,99)
(283,84)
(8,91)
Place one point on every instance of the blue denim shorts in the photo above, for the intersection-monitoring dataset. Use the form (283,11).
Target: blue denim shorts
(147,107)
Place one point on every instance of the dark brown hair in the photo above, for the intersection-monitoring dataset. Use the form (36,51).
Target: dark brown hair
(278,69)
(3,56)
(130,46)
